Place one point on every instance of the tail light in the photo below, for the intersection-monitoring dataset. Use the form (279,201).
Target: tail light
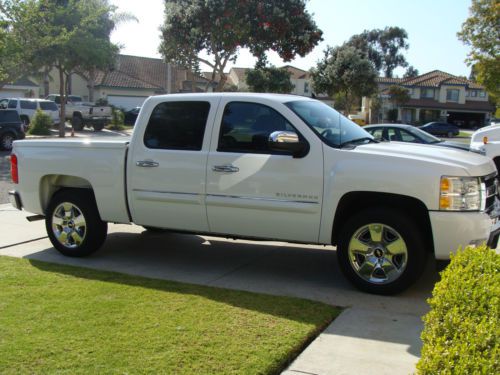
(13,169)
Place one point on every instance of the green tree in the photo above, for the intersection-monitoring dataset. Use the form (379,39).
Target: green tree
(481,31)
(411,72)
(218,29)
(10,68)
(398,95)
(269,79)
(347,72)
(65,34)
(383,47)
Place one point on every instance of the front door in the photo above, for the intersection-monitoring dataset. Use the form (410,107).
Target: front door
(167,167)
(253,191)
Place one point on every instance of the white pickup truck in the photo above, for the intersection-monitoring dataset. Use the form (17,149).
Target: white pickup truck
(263,166)
(82,113)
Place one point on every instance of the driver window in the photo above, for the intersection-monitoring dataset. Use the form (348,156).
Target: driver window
(246,128)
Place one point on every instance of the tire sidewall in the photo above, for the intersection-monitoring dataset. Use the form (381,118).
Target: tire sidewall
(2,141)
(410,234)
(96,229)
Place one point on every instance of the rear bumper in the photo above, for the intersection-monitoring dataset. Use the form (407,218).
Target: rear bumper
(15,199)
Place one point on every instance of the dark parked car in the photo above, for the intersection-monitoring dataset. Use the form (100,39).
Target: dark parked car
(408,133)
(131,116)
(11,128)
(441,128)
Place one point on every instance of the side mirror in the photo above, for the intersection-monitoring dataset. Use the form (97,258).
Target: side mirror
(288,142)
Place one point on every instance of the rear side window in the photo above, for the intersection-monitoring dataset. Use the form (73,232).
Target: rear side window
(28,104)
(48,106)
(9,116)
(177,126)
(12,104)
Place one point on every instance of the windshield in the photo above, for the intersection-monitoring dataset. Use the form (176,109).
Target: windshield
(333,128)
(428,138)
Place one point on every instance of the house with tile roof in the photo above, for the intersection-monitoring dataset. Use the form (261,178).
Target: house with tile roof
(131,81)
(21,88)
(434,96)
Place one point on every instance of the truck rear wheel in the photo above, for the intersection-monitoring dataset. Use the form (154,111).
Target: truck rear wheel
(381,251)
(73,223)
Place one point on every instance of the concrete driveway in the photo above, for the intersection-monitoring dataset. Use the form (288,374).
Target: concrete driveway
(373,325)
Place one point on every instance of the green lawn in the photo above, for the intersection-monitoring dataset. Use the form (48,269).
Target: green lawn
(69,320)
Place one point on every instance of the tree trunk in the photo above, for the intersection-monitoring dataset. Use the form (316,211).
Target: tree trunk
(62,111)
(46,82)
(91,83)
(222,82)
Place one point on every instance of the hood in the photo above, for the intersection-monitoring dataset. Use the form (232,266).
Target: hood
(449,159)
(458,145)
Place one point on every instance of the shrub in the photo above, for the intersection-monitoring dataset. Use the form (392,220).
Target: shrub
(41,124)
(117,118)
(462,330)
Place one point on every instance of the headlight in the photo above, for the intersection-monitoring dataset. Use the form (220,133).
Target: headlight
(461,194)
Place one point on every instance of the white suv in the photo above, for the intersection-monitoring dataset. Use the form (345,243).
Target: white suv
(27,108)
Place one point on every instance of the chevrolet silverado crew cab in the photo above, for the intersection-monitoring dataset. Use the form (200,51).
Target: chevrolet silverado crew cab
(263,166)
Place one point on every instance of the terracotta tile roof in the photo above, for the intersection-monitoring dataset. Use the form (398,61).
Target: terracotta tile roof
(387,81)
(437,78)
(24,81)
(297,73)
(469,105)
(142,73)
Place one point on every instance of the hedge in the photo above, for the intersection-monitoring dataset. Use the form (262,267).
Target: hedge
(462,330)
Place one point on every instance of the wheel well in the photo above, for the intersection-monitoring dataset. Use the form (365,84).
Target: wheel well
(51,184)
(355,202)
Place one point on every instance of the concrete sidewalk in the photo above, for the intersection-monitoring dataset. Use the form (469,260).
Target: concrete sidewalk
(375,334)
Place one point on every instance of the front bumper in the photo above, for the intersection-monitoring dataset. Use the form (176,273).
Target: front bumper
(15,200)
(454,230)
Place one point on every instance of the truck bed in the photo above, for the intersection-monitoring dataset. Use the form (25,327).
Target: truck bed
(51,163)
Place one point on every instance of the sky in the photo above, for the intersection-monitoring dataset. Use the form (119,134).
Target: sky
(432,26)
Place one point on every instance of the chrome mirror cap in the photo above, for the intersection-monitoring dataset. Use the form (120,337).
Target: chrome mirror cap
(283,137)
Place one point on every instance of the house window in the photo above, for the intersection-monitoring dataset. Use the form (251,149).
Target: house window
(306,87)
(452,95)
(427,93)
(473,93)
(467,93)
(482,94)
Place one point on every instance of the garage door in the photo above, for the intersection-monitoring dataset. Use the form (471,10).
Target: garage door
(126,102)
(12,94)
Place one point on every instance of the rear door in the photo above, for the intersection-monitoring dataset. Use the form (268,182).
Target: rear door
(167,163)
(253,191)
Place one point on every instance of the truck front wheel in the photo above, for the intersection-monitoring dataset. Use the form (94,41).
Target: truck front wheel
(73,223)
(381,251)
(98,127)
(77,122)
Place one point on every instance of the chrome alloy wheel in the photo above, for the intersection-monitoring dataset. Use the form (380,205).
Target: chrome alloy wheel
(7,141)
(69,225)
(377,253)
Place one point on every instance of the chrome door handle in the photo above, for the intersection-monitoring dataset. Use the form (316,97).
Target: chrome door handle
(225,168)
(147,163)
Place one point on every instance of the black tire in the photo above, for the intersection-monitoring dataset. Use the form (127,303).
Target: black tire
(450,134)
(94,232)
(77,122)
(392,221)
(6,141)
(98,127)
(155,229)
